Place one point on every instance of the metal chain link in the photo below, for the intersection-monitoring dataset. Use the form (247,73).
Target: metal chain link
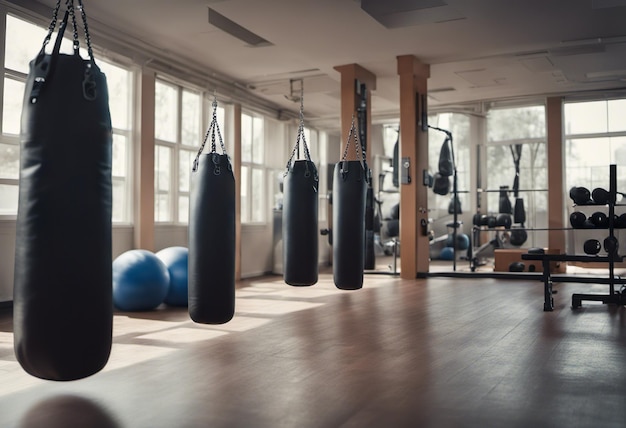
(53,24)
(213,126)
(70,8)
(359,154)
(301,135)
(83,16)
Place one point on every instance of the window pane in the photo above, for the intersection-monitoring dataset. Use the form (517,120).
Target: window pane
(23,41)
(119,84)
(165,112)
(516,123)
(587,160)
(119,201)
(185,161)
(9,161)
(246,138)
(245,200)
(617,114)
(258,142)
(162,211)
(120,157)
(12,106)
(162,168)
(8,199)
(191,118)
(586,117)
(258,195)
(183,209)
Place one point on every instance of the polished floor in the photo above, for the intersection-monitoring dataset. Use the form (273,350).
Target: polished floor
(439,352)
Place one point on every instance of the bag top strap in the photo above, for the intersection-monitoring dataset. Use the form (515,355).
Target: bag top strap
(213,128)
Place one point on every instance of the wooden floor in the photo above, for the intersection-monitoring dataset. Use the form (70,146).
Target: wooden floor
(439,352)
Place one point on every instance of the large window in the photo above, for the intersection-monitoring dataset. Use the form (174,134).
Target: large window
(523,129)
(179,133)
(595,137)
(23,41)
(252,169)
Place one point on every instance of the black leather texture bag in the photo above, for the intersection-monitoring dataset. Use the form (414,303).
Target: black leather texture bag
(62,299)
(211,276)
(300,215)
(349,197)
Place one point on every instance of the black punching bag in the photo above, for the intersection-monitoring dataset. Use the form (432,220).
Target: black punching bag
(300,236)
(211,275)
(349,193)
(62,297)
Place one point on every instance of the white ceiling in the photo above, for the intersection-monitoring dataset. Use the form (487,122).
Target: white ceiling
(479,50)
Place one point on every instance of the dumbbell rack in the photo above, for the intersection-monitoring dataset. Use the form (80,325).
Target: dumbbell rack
(613,296)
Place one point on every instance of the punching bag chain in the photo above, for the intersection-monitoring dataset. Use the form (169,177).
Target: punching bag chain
(213,127)
(53,24)
(301,135)
(353,134)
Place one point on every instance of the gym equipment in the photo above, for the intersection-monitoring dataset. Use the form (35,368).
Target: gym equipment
(599,219)
(349,192)
(62,299)
(212,233)
(504,220)
(446,163)
(447,253)
(519,214)
(517,267)
(455,206)
(600,196)
(611,245)
(620,221)
(518,236)
(592,246)
(580,195)
(300,187)
(140,281)
(441,184)
(504,203)
(176,259)
(577,220)
(462,241)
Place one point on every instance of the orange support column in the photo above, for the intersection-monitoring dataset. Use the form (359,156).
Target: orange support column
(414,261)
(350,75)
(556,208)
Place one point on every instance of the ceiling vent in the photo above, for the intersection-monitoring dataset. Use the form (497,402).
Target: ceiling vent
(236,30)
(406,13)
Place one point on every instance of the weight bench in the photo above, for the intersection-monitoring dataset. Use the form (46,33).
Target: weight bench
(547,277)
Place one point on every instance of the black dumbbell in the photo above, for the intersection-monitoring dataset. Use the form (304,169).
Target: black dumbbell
(600,220)
(580,195)
(577,219)
(611,245)
(516,267)
(592,246)
(504,220)
(600,196)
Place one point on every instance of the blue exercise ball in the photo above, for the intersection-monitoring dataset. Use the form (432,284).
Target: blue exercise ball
(462,241)
(176,259)
(140,281)
(446,253)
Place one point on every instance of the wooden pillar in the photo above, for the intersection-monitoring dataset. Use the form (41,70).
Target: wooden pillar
(350,74)
(237,174)
(413,159)
(556,208)
(144,164)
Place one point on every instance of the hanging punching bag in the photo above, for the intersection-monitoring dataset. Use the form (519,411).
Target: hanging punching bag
(211,276)
(349,193)
(62,297)
(300,242)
